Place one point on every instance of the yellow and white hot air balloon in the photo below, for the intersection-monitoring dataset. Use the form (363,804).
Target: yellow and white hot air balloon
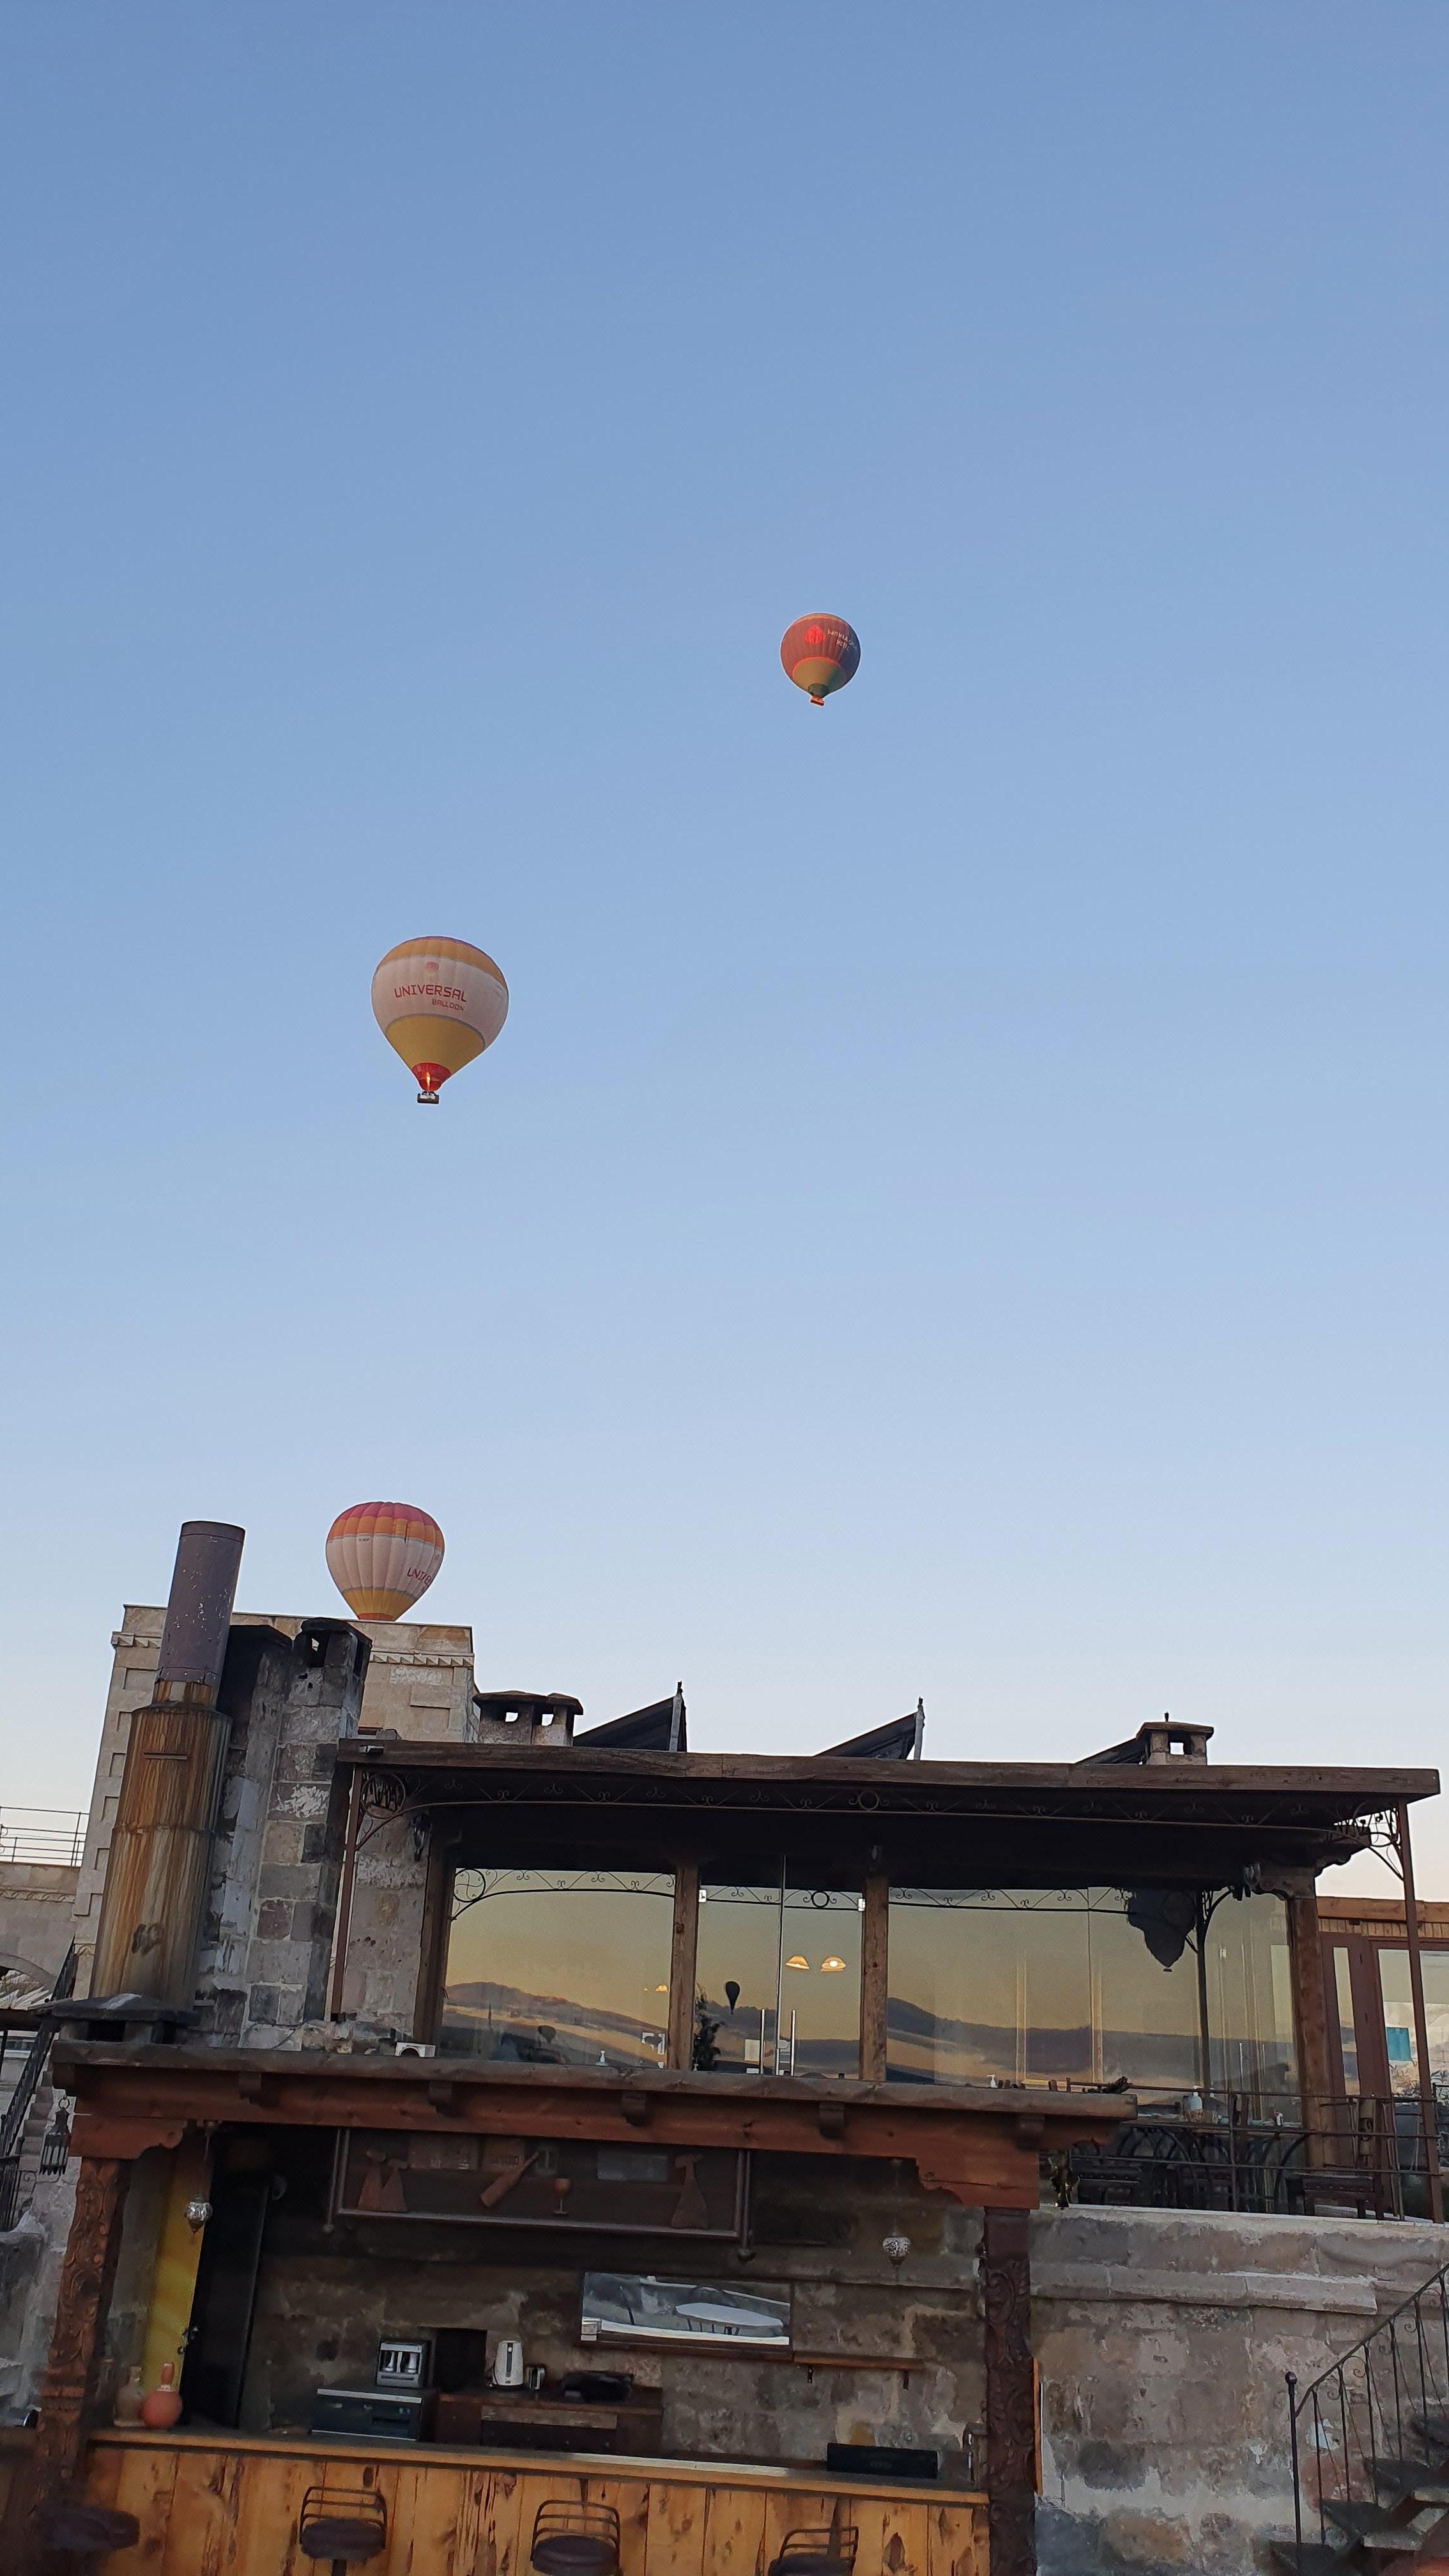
(440,1003)
(382,1557)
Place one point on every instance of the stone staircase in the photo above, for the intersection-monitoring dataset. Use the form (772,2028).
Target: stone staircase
(1371,2451)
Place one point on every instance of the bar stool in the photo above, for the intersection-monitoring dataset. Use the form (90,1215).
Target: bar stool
(575,2540)
(344,2525)
(826,2552)
(86,2531)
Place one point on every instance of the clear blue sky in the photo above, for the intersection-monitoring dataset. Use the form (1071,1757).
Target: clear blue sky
(958,1206)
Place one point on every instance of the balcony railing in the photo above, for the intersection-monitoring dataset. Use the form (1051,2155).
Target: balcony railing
(52,1836)
(1360,2155)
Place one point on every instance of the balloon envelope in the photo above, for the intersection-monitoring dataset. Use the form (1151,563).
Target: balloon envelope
(382,1557)
(821,654)
(439,1003)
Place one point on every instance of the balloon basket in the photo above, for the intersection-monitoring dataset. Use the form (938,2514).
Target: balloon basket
(427,1100)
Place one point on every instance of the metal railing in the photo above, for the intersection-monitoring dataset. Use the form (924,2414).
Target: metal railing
(17,2109)
(1355,2433)
(52,1836)
(1359,2155)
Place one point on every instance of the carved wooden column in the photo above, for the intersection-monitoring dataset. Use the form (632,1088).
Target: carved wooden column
(1010,2392)
(1310,2028)
(874,1978)
(68,2389)
(679,2049)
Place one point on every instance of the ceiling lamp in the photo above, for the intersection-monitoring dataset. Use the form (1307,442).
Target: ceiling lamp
(797,1962)
(827,1964)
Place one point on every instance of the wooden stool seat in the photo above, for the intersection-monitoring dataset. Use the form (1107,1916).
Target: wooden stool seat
(575,2540)
(830,2552)
(338,2535)
(573,2553)
(344,2525)
(91,2530)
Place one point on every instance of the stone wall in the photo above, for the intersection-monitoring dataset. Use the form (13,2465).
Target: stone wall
(419,1682)
(327,2296)
(37,1916)
(268,1945)
(1162,2340)
(385,1931)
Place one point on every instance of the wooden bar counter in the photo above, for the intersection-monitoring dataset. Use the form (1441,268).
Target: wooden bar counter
(226,2504)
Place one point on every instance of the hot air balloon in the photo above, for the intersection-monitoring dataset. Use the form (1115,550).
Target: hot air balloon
(440,1003)
(820,654)
(382,1557)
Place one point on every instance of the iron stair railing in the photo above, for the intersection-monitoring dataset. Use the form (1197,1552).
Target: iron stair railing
(17,2109)
(1368,2437)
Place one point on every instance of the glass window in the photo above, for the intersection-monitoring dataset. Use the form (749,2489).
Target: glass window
(820,1982)
(1347,2029)
(1087,1985)
(777,1973)
(1250,2002)
(559,1967)
(1148,2024)
(1399,2035)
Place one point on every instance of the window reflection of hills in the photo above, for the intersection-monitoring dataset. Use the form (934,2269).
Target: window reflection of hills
(559,1968)
(545,2030)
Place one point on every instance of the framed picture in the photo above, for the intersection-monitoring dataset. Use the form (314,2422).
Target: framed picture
(541,2182)
(638,2307)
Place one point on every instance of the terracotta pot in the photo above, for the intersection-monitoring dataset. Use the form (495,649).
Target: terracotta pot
(161,2409)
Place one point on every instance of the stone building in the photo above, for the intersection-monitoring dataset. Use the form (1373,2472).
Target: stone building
(793,2114)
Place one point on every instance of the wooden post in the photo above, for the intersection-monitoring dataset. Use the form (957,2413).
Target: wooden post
(1204,2024)
(1421,2020)
(682,1964)
(874,1979)
(1310,2024)
(343,1923)
(1011,2398)
(433,1947)
(68,2389)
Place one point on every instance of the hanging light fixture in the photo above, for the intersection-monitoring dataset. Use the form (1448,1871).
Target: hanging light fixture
(826,1965)
(797,1962)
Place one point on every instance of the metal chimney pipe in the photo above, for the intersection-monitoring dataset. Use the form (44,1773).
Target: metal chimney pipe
(159,1871)
(198,1611)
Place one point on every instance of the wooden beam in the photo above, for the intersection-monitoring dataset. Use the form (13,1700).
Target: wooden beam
(683,1954)
(874,1978)
(1011,2400)
(979,2144)
(68,2388)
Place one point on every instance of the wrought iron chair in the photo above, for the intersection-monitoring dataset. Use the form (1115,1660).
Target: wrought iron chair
(345,2525)
(829,2551)
(575,2540)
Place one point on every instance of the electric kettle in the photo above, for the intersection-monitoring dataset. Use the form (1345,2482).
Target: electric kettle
(507,2363)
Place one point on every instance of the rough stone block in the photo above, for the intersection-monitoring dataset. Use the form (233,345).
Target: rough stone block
(292,1882)
(282,1843)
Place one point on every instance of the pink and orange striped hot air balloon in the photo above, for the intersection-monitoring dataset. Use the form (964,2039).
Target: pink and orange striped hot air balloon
(439,1002)
(382,1557)
(820,654)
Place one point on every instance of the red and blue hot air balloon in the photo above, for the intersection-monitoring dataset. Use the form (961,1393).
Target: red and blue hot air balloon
(820,654)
